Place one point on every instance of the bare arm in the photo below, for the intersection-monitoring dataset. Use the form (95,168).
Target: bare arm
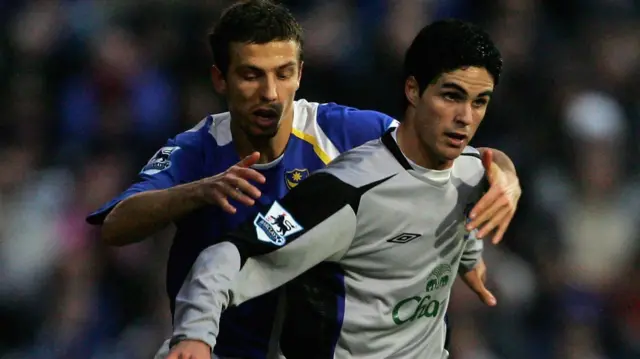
(146,213)
(143,214)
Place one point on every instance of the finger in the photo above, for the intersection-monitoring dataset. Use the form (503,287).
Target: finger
(485,202)
(249,174)
(487,160)
(250,160)
(487,297)
(497,238)
(231,191)
(476,284)
(495,221)
(240,184)
(221,200)
(484,209)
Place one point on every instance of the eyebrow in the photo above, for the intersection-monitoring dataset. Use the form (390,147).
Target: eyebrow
(453,86)
(257,69)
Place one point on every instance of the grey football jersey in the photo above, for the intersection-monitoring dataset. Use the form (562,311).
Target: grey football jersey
(388,238)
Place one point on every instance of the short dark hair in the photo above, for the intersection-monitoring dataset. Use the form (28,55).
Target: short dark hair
(448,45)
(255,22)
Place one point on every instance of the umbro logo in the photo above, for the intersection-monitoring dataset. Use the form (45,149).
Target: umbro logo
(404,238)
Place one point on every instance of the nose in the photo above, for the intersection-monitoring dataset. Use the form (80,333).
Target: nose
(269,91)
(464,116)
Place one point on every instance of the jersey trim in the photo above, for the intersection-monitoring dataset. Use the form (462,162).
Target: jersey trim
(317,147)
(306,127)
(471,154)
(392,146)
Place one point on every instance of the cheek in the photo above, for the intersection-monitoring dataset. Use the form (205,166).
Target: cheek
(287,90)
(478,117)
(242,93)
(437,113)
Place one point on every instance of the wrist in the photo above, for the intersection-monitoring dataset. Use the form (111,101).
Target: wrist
(191,193)
(177,339)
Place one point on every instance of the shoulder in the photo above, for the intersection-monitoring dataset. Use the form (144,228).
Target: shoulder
(345,127)
(364,165)
(214,128)
(468,167)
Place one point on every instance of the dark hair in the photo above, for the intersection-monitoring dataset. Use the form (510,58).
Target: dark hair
(255,22)
(448,45)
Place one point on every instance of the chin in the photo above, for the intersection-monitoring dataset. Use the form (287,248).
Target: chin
(266,133)
(450,154)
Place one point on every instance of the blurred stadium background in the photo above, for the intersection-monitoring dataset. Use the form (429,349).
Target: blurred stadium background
(91,88)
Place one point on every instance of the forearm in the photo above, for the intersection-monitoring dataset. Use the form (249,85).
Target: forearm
(501,160)
(146,213)
(205,294)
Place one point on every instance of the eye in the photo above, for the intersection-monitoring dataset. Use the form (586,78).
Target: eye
(249,74)
(481,102)
(285,74)
(452,96)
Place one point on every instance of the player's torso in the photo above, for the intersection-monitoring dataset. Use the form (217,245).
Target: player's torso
(245,330)
(399,273)
(391,289)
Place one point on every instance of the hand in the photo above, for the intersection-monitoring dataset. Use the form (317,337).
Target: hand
(475,280)
(233,183)
(190,349)
(498,206)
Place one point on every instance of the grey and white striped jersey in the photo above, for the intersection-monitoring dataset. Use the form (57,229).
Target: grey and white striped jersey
(387,238)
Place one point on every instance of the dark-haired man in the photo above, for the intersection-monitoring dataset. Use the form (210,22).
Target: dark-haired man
(206,180)
(386,218)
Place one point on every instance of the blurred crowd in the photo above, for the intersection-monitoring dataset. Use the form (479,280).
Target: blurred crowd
(91,88)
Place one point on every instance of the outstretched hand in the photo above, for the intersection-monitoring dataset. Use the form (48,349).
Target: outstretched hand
(190,349)
(495,210)
(233,183)
(475,280)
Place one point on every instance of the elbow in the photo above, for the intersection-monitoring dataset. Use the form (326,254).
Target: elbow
(110,233)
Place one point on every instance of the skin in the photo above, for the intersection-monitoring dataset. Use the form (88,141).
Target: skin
(455,103)
(260,76)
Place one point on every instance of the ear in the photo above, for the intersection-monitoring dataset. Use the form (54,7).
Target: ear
(219,82)
(412,91)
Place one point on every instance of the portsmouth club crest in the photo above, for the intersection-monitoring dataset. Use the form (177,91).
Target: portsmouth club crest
(293,177)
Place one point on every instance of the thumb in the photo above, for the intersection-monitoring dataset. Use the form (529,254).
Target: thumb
(487,160)
(250,160)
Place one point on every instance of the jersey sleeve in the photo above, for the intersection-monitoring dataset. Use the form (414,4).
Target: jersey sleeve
(349,127)
(314,222)
(178,161)
(472,253)
(474,246)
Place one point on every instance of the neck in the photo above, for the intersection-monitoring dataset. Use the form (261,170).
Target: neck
(270,148)
(411,146)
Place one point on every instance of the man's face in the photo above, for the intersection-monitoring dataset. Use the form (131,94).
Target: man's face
(261,84)
(450,110)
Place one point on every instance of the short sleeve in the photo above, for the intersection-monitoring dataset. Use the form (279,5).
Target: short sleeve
(179,161)
(349,127)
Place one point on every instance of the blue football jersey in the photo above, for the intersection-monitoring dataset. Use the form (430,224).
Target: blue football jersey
(320,133)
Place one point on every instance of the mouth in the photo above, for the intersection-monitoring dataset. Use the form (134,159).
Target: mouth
(456,139)
(266,117)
